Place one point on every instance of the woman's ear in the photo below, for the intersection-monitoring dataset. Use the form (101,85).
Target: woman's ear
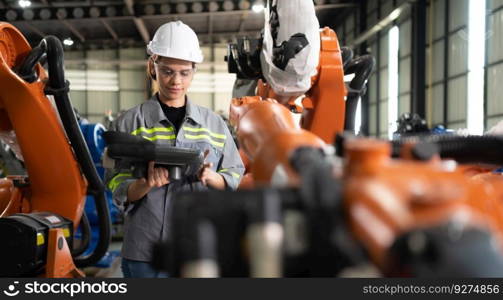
(151,69)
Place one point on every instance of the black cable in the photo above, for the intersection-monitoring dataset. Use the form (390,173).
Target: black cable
(463,149)
(59,88)
(86,233)
(362,67)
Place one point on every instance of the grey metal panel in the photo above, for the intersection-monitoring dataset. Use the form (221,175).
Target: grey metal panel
(350,23)
(95,119)
(129,99)
(203,99)
(386,7)
(350,36)
(222,102)
(102,55)
(100,102)
(458,54)
(491,122)
(132,53)
(383,81)
(438,18)
(220,53)
(437,103)
(383,116)
(457,99)
(78,99)
(384,44)
(438,61)
(495,36)
(372,89)
(405,38)
(495,90)
(403,104)
(133,79)
(373,119)
(494,4)
(457,125)
(458,14)
(404,75)
(372,18)
(371,5)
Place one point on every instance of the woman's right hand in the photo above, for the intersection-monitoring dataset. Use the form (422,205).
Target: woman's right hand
(156,177)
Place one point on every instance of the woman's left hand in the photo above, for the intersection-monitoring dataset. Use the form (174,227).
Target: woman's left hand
(209,177)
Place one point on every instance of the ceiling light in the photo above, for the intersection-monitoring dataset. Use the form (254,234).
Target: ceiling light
(45,14)
(165,9)
(197,7)
(24,3)
(181,8)
(28,14)
(228,5)
(258,6)
(244,4)
(213,6)
(94,12)
(68,41)
(11,15)
(78,12)
(111,11)
(61,13)
(149,9)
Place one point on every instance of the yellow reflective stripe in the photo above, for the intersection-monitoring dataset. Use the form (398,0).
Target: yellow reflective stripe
(116,181)
(234,174)
(66,232)
(215,135)
(40,239)
(152,130)
(160,137)
(204,136)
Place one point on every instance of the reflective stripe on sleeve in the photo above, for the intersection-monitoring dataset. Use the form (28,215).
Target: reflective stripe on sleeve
(117,180)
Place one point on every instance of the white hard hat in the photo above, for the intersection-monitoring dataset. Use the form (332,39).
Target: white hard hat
(176,40)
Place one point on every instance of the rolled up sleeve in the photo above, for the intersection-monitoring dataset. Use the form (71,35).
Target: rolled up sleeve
(231,166)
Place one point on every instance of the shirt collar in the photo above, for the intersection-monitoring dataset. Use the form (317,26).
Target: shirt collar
(153,113)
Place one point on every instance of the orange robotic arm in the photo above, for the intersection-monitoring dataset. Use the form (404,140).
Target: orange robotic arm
(52,197)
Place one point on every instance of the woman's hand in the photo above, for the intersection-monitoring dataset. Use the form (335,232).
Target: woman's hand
(156,177)
(209,177)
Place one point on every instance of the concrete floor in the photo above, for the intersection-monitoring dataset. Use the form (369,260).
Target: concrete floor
(115,269)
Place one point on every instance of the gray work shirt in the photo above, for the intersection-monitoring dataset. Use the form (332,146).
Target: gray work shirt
(147,220)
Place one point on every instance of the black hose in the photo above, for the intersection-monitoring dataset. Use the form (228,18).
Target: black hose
(59,88)
(86,233)
(26,69)
(362,67)
(463,149)
(347,56)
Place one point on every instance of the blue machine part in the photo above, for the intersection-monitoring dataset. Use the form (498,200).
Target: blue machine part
(93,134)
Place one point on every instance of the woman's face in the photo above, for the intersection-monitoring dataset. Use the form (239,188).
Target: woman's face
(174,77)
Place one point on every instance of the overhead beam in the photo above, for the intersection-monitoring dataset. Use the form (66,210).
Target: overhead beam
(74,30)
(35,29)
(110,30)
(389,19)
(139,23)
(210,28)
(244,16)
(130,8)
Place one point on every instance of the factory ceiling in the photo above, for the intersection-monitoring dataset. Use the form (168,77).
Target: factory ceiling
(130,23)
